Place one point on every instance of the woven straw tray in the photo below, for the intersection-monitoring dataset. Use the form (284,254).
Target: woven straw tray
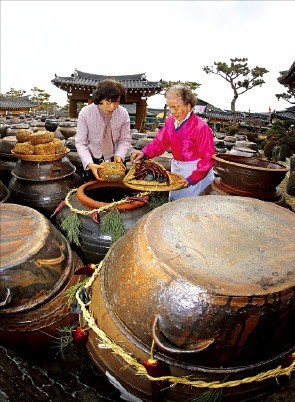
(143,185)
(41,158)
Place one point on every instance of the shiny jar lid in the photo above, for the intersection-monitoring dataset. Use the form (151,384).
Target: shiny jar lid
(230,245)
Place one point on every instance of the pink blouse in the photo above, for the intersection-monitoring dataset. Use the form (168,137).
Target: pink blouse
(90,130)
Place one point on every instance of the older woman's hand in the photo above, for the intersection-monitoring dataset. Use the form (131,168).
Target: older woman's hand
(184,183)
(136,156)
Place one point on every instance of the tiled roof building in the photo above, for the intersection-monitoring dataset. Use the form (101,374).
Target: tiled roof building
(287,78)
(21,104)
(215,114)
(80,85)
(288,114)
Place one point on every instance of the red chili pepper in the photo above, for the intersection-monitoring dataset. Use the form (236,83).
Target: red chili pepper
(157,368)
(95,217)
(80,337)
(86,270)
(58,208)
(288,360)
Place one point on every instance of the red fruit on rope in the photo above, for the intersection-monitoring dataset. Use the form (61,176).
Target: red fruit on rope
(157,368)
(152,367)
(86,270)
(80,337)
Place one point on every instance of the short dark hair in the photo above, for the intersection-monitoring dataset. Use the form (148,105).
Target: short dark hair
(185,93)
(108,89)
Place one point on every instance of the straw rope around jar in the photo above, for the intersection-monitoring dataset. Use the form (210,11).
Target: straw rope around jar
(108,343)
(71,224)
(101,209)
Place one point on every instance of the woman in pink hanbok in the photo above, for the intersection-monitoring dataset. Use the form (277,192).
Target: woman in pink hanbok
(190,140)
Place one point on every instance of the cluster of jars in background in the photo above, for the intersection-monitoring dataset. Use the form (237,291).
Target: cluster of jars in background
(64,129)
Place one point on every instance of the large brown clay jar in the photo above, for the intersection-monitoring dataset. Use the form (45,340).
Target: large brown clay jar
(211,281)
(37,268)
(249,176)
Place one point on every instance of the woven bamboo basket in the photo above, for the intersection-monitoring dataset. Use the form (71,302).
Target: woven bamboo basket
(41,158)
(175,181)
(111,171)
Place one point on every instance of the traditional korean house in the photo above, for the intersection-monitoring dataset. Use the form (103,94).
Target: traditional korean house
(287,78)
(16,106)
(214,116)
(287,114)
(80,85)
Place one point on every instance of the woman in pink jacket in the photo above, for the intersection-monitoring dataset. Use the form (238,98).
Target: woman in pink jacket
(103,128)
(190,140)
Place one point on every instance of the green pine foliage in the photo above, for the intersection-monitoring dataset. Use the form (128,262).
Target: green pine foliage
(65,342)
(285,152)
(290,187)
(71,227)
(282,133)
(112,224)
(158,198)
(268,147)
(212,395)
(71,292)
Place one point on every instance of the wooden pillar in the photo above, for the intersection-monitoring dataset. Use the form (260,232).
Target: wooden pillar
(73,109)
(140,115)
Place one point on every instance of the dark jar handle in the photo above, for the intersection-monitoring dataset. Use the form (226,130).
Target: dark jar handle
(164,344)
(7,298)
(221,169)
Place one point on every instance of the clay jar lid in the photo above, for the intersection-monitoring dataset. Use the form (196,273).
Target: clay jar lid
(15,127)
(35,259)
(234,246)
(67,124)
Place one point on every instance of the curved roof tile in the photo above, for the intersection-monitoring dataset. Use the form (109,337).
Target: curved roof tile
(16,103)
(284,114)
(287,78)
(134,81)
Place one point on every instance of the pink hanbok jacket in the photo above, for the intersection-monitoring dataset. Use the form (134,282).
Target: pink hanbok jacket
(90,130)
(191,141)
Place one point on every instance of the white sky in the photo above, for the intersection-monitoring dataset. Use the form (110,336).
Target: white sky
(170,40)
